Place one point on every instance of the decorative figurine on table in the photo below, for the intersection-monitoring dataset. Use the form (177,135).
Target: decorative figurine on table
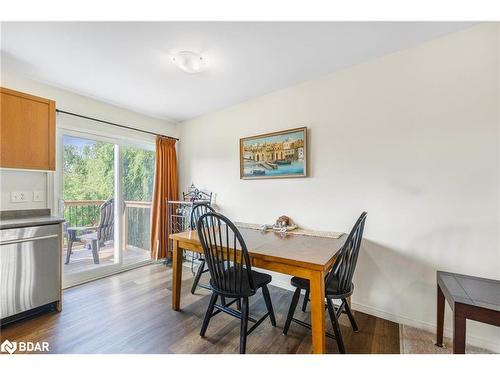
(283,221)
(284,224)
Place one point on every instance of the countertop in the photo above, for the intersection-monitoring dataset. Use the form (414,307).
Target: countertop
(27,218)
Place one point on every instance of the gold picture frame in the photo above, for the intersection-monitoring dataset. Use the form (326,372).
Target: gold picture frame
(281,154)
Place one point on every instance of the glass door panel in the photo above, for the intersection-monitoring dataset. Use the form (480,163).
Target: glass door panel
(137,189)
(88,199)
(105,189)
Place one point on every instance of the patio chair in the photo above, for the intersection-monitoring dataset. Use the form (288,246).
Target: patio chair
(103,233)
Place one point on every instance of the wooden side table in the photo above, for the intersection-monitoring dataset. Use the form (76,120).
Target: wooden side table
(469,297)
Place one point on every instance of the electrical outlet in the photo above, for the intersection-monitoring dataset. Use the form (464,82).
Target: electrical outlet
(38,196)
(19,196)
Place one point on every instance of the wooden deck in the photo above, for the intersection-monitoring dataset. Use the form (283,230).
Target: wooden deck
(130,313)
(81,258)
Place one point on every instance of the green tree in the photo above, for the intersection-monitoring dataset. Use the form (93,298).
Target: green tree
(138,174)
(89,175)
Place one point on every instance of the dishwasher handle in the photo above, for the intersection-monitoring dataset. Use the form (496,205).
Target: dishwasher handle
(29,239)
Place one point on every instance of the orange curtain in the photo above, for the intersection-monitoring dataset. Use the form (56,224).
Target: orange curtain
(165,189)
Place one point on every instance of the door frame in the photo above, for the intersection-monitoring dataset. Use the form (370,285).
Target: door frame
(58,178)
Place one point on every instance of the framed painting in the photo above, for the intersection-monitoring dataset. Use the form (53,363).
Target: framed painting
(281,154)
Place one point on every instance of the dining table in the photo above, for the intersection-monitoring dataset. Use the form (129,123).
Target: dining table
(306,256)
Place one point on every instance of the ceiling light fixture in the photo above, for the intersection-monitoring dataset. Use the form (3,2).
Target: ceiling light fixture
(189,62)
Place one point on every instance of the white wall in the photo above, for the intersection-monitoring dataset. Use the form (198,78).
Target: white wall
(412,138)
(26,181)
(19,180)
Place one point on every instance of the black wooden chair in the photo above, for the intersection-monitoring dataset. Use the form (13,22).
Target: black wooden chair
(103,233)
(227,258)
(338,285)
(198,210)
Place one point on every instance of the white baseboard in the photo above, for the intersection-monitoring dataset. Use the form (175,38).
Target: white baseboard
(471,339)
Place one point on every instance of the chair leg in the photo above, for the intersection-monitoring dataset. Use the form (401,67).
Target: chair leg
(208,314)
(336,326)
(306,299)
(238,304)
(269,304)
(94,252)
(350,316)
(68,251)
(201,267)
(244,325)
(291,310)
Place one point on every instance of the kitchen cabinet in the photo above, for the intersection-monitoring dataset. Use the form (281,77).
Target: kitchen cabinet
(27,131)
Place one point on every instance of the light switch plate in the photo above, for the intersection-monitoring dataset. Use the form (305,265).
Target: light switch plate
(38,196)
(19,196)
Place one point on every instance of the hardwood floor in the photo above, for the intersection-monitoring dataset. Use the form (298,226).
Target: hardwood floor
(130,313)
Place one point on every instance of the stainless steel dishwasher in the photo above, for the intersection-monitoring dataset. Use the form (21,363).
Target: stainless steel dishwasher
(29,268)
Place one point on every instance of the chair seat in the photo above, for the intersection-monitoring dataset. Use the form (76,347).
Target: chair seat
(259,279)
(331,288)
(88,237)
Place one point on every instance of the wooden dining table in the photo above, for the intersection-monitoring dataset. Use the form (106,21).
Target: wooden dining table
(309,257)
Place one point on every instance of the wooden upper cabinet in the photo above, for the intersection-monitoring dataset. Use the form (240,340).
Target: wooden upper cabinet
(27,131)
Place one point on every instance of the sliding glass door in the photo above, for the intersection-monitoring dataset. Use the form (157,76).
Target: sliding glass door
(105,192)
(137,189)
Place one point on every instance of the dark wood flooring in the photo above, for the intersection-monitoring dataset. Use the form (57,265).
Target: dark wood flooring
(130,313)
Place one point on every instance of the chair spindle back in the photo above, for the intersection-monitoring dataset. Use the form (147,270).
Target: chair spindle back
(226,254)
(198,210)
(345,264)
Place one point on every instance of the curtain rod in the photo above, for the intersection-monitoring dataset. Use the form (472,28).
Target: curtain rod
(114,124)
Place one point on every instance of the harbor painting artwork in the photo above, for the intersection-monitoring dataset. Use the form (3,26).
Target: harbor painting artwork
(275,155)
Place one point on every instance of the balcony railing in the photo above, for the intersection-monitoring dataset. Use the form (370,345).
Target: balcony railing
(136,219)
(137,224)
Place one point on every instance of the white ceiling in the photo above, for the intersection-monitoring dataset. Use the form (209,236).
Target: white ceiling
(127,63)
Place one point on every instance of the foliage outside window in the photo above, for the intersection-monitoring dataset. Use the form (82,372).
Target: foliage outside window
(89,176)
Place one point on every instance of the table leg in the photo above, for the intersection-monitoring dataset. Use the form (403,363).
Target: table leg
(317,285)
(440,317)
(176,275)
(459,323)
